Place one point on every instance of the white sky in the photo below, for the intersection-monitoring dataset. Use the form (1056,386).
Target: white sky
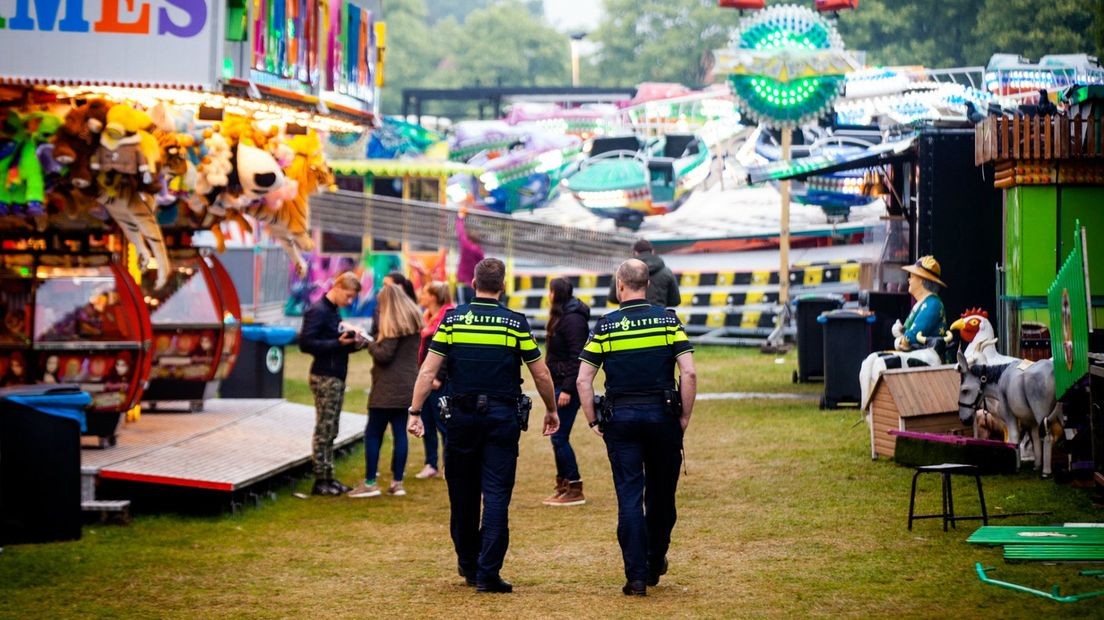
(573,15)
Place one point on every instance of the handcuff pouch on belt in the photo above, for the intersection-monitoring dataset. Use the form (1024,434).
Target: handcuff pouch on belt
(444,404)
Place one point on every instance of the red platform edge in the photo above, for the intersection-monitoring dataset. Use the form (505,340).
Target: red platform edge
(179,482)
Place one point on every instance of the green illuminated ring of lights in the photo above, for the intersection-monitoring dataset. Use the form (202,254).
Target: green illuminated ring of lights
(786,102)
(797,101)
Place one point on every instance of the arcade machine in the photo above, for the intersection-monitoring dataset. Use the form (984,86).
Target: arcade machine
(196,320)
(73,314)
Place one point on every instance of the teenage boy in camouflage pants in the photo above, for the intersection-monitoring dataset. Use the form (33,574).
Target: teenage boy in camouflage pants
(321,338)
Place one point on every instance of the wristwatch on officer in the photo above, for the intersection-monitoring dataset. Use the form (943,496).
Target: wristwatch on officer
(413,411)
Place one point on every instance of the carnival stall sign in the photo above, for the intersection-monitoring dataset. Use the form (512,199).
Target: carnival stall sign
(73,314)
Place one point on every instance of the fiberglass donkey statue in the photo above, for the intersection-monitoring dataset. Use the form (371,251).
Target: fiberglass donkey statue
(1024,393)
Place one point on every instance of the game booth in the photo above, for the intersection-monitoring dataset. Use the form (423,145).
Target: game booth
(110,169)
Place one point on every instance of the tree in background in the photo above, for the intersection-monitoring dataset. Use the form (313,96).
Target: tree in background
(452,43)
(409,60)
(660,40)
(502,43)
(959,33)
(911,32)
(1034,29)
(459,9)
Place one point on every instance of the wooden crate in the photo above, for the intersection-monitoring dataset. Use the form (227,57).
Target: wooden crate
(913,399)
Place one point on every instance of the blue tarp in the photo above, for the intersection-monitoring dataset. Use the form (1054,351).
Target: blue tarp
(271,335)
(66,405)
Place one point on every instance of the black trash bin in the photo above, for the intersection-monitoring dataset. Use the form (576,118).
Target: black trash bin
(888,308)
(259,371)
(810,337)
(846,345)
(40,475)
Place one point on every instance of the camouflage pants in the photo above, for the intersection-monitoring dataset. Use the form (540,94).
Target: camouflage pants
(329,396)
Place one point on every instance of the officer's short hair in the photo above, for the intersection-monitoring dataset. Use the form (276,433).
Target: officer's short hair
(633,273)
(642,246)
(348,280)
(490,275)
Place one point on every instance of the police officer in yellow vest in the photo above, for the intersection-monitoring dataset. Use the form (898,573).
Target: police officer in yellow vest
(643,418)
(484,345)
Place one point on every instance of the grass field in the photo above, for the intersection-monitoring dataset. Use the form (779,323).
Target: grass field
(782,515)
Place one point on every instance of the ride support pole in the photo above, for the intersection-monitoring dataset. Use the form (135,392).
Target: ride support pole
(784,227)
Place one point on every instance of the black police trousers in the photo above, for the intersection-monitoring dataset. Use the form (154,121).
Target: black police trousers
(644,446)
(481,454)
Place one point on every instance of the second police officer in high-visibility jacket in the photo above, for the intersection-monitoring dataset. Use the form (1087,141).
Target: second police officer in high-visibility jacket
(643,418)
(484,345)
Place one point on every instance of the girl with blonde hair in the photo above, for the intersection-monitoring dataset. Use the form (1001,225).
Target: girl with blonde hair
(394,370)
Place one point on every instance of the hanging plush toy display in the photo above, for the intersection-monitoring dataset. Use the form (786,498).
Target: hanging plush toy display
(126,164)
(286,212)
(90,163)
(23,185)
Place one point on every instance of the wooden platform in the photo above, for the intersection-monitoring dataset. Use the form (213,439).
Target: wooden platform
(228,446)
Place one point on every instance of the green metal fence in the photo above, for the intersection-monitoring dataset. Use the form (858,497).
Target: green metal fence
(1070,317)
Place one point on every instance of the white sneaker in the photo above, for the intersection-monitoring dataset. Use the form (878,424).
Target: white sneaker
(428,471)
(396,489)
(365,490)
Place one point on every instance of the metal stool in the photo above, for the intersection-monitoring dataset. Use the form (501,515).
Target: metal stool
(946,470)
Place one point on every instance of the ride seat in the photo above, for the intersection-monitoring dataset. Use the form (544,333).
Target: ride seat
(680,145)
(662,168)
(619,143)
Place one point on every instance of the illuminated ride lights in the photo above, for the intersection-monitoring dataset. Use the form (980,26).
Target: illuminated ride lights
(786,66)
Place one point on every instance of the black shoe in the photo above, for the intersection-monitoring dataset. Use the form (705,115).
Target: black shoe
(469,578)
(496,585)
(340,487)
(325,488)
(653,576)
(634,588)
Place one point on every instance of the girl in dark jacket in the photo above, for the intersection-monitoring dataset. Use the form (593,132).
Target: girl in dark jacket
(568,328)
(394,369)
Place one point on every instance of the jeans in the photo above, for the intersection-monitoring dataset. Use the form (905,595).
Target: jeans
(433,424)
(644,447)
(566,466)
(378,419)
(482,453)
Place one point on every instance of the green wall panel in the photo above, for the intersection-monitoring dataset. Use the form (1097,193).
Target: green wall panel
(1087,205)
(1031,240)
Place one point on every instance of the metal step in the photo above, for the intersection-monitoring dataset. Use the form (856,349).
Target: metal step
(103,505)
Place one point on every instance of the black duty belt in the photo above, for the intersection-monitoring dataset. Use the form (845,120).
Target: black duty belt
(471,401)
(637,398)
